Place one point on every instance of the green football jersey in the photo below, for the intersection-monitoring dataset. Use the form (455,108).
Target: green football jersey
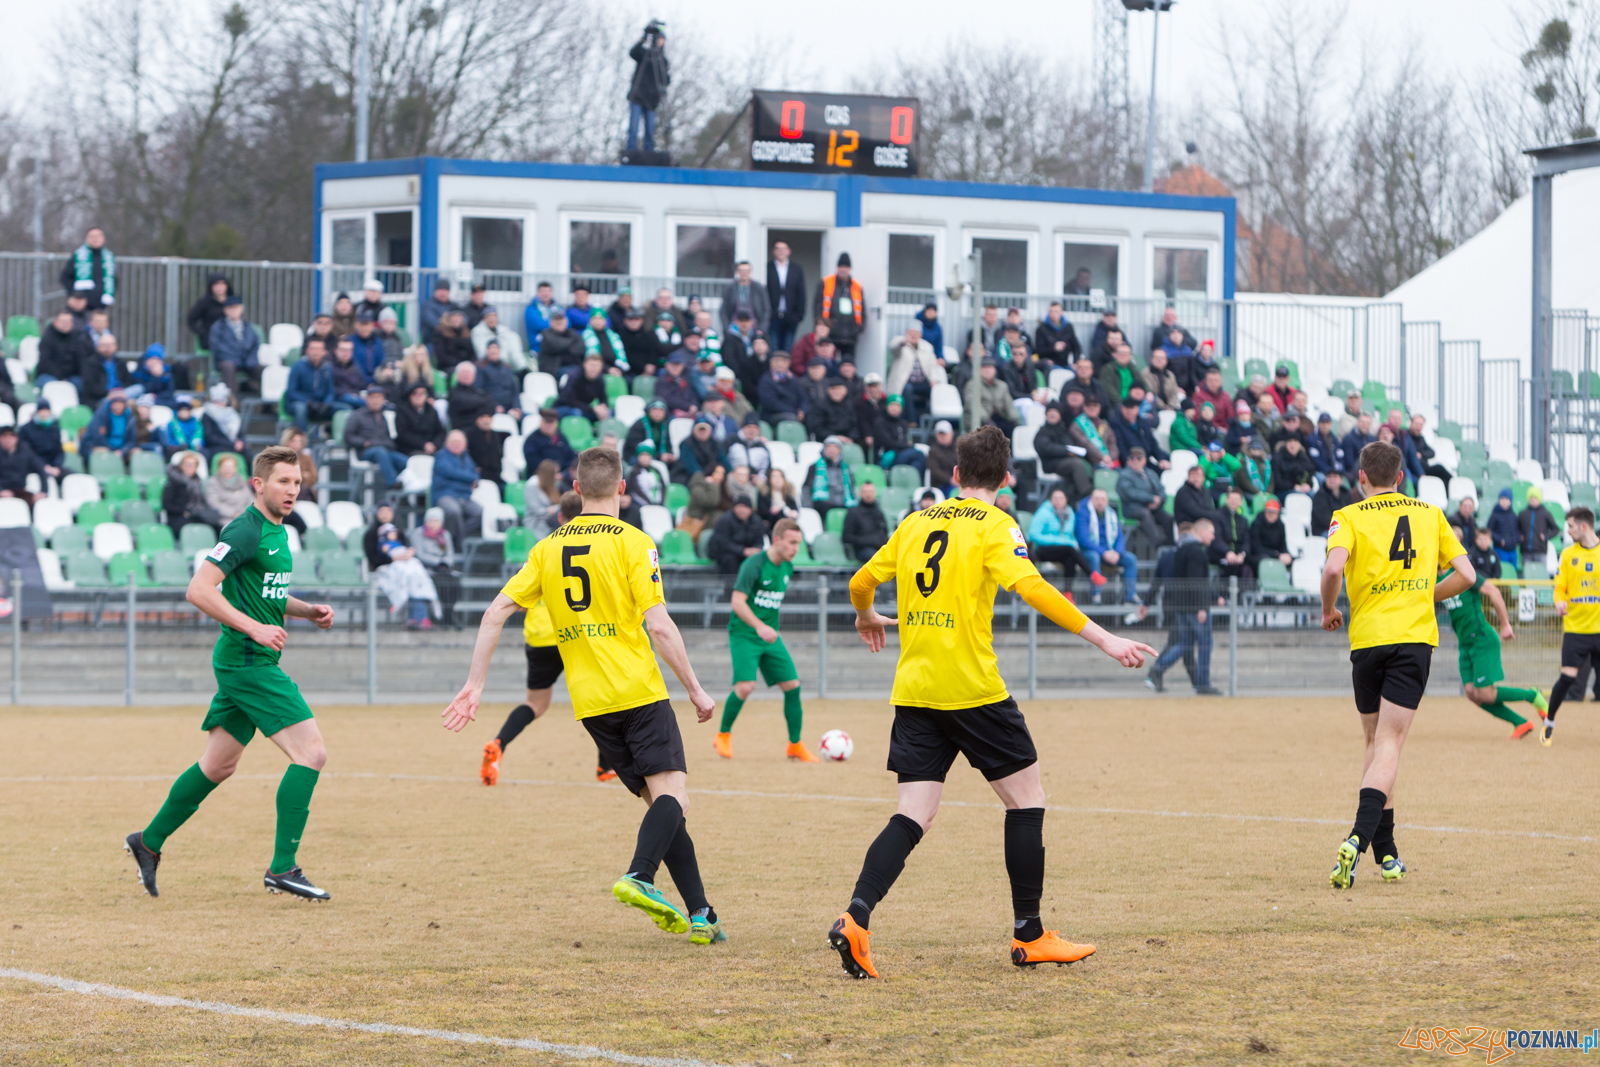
(254,554)
(1467,616)
(765,583)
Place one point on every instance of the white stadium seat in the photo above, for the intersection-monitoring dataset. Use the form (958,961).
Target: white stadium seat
(50,515)
(111,538)
(50,568)
(630,409)
(1431,490)
(14,513)
(274,380)
(418,475)
(810,524)
(1462,487)
(62,395)
(656,520)
(286,335)
(944,402)
(677,430)
(78,489)
(498,516)
(309,512)
(343,516)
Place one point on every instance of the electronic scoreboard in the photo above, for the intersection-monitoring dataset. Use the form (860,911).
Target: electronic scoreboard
(829,132)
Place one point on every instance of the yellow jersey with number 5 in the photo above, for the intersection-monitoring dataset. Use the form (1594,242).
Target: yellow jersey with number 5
(597,576)
(1397,545)
(947,561)
(1578,583)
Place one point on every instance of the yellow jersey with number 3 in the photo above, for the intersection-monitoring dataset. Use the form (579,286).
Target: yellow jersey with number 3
(1397,545)
(1578,583)
(597,576)
(947,561)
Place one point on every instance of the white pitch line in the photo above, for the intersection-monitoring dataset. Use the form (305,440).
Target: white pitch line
(841,799)
(580,1052)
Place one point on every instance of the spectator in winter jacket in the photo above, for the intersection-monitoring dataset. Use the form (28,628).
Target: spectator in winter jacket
(805,349)
(914,369)
(724,427)
(153,378)
(349,380)
(1161,383)
(744,293)
(1351,414)
(600,339)
(418,430)
(1330,498)
(1017,367)
(1425,452)
(1193,501)
(491,329)
(839,301)
(725,386)
(344,316)
(1117,376)
(942,457)
(1464,520)
(1184,432)
(454,476)
(829,484)
(1054,340)
(891,436)
(539,314)
(1090,432)
(547,443)
(1507,531)
(1282,392)
(91,271)
(64,349)
(988,400)
(866,529)
(1231,550)
(651,76)
(208,309)
(749,449)
(1292,469)
(17,461)
(1055,446)
(653,428)
(1133,432)
(309,394)
(1269,538)
(1323,447)
(781,396)
(1292,425)
(1105,545)
(1210,391)
(1051,535)
(1169,323)
(815,383)
(486,446)
(737,536)
(367,346)
(580,311)
(674,388)
(932,332)
(452,342)
(183,497)
(235,346)
(1220,468)
(1255,469)
(1354,442)
(1536,527)
(466,401)
(1482,555)
(220,422)
(1139,488)
(42,434)
(433,310)
(639,342)
(560,348)
(499,382)
(113,428)
(835,415)
(367,435)
(1241,427)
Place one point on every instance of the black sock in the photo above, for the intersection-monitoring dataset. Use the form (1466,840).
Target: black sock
(515,723)
(886,858)
(1025,865)
(656,831)
(685,870)
(1558,693)
(1369,813)
(601,761)
(1383,838)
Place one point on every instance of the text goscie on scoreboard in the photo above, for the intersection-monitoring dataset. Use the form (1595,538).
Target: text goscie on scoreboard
(836,133)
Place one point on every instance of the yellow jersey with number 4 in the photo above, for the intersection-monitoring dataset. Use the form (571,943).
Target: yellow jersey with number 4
(1397,545)
(947,561)
(597,576)
(1578,583)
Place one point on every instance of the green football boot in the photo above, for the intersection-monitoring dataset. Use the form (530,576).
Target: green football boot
(704,930)
(1391,869)
(648,899)
(1343,875)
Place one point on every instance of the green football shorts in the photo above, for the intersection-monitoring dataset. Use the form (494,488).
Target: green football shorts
(1480,662)
(254,698)
(751,655)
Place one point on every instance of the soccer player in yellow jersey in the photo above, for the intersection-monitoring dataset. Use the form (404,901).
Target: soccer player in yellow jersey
(601,582)
(1388,549)
(949,697)
(1577,597)
(544,667)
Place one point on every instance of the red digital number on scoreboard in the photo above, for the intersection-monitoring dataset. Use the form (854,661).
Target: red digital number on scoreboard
(900,125)
(792,119)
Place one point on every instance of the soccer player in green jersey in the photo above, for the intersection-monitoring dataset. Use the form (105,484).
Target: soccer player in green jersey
(1479,651)
(755,644)
(243,583)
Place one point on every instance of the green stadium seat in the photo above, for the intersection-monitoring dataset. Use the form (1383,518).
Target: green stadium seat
(121,487)
(1562,384)
(766,429)
(828,550)
(852,455)
(341,569)
(85,570)
(305,569)
(1374,391)
(611,426)
(125,563)
(893,500)
(644,386)
(106,465)
(244,467)
(143,466)
(1589,384)
(616,386)
(1342,388)
(69,539)
(518,543)
(1024,520)
(703,543)
(1105,479)
(1499,470)
(1584,494)
(513,495)
(73,420)
(792,432)
(803,558)
(1273,578)
(1535,571)
(1451,431)
(154,538)
(1253,367)
(92,513)
(170,568)
(135,514)
(154,488)
(678,549)
(677,496)
(20,326)
(578,431)
(196,537)
(870,472)
(322,539)
(833,522)
(904,477)
(336,432)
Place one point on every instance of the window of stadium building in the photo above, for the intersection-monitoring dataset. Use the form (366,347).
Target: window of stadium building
(1179,273)
(349,242)
(1005,264)
(598,251)
(494,247)
(706,251)
(1085,267)
(911,262)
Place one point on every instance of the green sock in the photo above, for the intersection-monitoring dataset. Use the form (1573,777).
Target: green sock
(1509,693)
(793,713)
(730,711)
(183,798)
(294,806)
(1499,710)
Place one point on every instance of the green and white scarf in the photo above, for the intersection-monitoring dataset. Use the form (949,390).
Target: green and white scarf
(83,271)
(1091,431)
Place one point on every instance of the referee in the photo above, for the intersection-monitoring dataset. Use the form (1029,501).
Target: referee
(1387,548)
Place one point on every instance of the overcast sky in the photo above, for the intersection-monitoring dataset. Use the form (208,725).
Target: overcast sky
(1457,35)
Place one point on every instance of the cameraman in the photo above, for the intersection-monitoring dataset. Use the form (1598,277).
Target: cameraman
(650,79)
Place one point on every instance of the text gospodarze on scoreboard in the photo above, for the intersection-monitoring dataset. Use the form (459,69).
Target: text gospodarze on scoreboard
(835,133)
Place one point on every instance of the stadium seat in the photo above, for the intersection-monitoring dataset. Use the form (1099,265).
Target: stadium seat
(1172,480)
(807,455)
(336,430)
(1273,579)
(1555,492)
(14,513)
(1450,431)
(498,517)
(833,521)
(616,427)
(1105,479)
(342,517)
(135,514)
(62,395)
(655,521)
(1528,470)
(286,335)
(1462,487)
(109,538)
(196,537)
(50,569)
(1182,459)
(322,539)
(518,543)
(305,568)
(629,409)
(154,538)
(644,387)
(106,465)
(578,431)
(792,433)
(341,569)
(616,386)
(703,543)
(1059,377)
(852,454)
(1582,494)
(904,477)
(515,494)
(86,571)
(677,496)
(418,475)
(143,466)
(485,493)
(828,551)
(944,402)
(678,549)
(499,423)
(120,566)
(72,419)
(1431,490)
(893,500)
(869,472)
(69,539)
(120,487)
(810,524)
(309,511)
(1306,575)
(94,512)
(512,461)
(273,382)
(1297,509)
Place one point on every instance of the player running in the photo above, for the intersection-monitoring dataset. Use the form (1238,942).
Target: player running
(948,695)
(1479,651)
(1577,596)
(243,583)
(1388,549)
(602,581)
(544,667)
(755,643)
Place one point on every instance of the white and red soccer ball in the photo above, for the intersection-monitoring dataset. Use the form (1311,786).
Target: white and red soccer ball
(836,745)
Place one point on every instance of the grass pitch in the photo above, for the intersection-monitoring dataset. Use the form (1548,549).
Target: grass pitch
(487,910)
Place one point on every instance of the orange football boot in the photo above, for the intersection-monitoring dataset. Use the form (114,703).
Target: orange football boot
(604,774)
(490,771)
(1048,948)
(851,942)
(1522,731)
(723,743)
(798,750)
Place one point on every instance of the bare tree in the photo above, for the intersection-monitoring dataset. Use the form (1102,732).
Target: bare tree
(1561,69)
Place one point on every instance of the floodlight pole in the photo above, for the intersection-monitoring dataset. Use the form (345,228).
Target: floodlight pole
(363,76)
(1150,120)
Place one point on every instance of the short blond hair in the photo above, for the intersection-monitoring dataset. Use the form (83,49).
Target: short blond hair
(596,468)
(270,457)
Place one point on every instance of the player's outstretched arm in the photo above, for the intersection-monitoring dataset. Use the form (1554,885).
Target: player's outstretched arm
(669,646)
(1457,583)
(1047,600)
(1491,593)
(869,624)
(321,614)
(205,593)
(1332,578)
(464,708)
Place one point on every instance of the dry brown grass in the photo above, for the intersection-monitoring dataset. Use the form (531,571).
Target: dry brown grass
(482,910)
